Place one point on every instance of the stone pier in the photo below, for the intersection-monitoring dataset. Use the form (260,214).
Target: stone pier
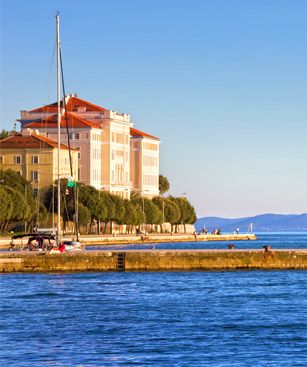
(153,260)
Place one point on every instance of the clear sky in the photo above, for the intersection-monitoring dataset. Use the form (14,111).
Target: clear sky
(222,83)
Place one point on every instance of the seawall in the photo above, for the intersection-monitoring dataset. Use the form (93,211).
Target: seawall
(153,260)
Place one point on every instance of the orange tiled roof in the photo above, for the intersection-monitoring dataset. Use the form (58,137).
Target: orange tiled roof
(71,105)
(139,133)
(74,121)
(32,141)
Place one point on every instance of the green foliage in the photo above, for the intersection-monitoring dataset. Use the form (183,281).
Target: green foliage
(17,204)
(21,210)
(108,205)
(18,183)
(170,208)
(16,198)
(163,184)
(6,205)
(153,215)
(84,215)
(120,209)
(133,213)
(4,134)
(187,211)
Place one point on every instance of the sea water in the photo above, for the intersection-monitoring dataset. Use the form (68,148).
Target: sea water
(233,318)
(276,240)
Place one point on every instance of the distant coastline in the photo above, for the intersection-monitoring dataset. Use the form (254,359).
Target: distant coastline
(261,223)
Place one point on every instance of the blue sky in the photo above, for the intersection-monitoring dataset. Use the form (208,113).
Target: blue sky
(222,83)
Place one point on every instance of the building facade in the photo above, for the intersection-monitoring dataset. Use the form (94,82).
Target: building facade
(35,157)
(113,156)
(144,163)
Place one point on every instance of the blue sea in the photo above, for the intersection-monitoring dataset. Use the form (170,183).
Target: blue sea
(276,240)
(233,318)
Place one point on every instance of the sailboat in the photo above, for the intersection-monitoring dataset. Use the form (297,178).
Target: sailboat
(75,244)
(44,241)
(250,228)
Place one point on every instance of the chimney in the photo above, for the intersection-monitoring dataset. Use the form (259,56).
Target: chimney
(27,132)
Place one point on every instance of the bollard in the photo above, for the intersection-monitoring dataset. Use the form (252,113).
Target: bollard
(231,246)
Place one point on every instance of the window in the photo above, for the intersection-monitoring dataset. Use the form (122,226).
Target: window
(79,176)
(34,159)
(18,173)
(120,138)
(1,159)
(70,136)
(77,136)
(34,176)
(17,159)
(35,192)
(113,137)
(150,146)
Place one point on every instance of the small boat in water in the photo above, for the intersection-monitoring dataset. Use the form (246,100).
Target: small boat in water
(45,242)
(32,242)
(73,246)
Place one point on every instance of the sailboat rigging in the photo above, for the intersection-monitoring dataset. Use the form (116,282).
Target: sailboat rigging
(58,233)
(69,245)
(60,245)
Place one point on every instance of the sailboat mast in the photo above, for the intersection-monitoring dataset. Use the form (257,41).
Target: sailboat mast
(58,237)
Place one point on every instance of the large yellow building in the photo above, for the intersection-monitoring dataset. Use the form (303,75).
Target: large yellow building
(34,156)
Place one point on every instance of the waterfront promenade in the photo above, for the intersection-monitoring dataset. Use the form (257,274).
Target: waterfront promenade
(89,240)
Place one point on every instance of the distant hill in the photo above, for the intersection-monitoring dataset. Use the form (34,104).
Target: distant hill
(261,223)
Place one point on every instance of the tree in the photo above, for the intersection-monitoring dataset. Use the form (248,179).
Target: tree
(6,207)
(133,214)
(12,180)
(153,215)
(21,211)
(84,215)
(170,209)
(163,184)
(17,182)
(92,199)
(120,210)
(4,134)
(187,211)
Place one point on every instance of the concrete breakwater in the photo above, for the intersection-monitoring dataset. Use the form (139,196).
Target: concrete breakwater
(153,260)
